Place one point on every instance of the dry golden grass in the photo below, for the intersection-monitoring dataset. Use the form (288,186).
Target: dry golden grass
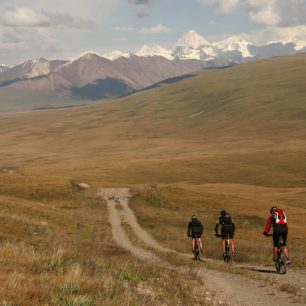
(59,251)
(237,143)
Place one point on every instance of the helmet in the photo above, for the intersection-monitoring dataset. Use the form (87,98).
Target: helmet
(193,217)
(273,209)
(223,212)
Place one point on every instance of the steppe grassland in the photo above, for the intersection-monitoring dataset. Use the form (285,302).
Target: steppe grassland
(56,249)
(204,147)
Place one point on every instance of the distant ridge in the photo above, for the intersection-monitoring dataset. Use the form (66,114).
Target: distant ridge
(92,76)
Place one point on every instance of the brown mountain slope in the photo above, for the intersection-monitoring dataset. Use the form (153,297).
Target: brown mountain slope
(135,72)
(30,69)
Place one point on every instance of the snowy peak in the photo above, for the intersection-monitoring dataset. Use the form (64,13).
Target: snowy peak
(147,51)
(234,43)
(88,56)
(3,68)
(30,69)
(192,40)
(115,55)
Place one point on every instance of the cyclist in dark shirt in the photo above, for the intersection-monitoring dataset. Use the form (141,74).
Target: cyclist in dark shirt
(227,228)
(195,230)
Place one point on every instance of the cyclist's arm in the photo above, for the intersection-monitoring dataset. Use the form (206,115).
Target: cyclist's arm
(202,228)
(234,227)
(188,230)
(217,228)
(268,226)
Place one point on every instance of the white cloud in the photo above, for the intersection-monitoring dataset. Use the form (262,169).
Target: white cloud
(32,41)
(34,28)
(25,17)
(296,35)
(160,28)
(272,13)
(22,16)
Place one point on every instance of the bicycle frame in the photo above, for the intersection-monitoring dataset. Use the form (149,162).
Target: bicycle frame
(228,254)
(280,264)
(197,249)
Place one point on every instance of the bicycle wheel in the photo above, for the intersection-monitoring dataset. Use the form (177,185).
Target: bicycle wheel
(228,256)
(282,263)
(197,251)
(199,254)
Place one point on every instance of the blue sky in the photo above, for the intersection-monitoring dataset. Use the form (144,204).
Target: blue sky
(66,28)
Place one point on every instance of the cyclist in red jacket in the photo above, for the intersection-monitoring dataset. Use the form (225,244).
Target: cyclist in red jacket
(278,220)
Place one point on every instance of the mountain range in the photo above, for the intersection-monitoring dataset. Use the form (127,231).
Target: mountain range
(93,77)
(234,49)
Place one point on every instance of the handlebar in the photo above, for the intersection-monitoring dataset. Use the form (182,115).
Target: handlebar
(268,235)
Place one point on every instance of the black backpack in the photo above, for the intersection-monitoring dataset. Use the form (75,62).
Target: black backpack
(225,219)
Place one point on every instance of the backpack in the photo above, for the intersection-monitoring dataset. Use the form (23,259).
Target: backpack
(226,220)
(279,217)
(196,227)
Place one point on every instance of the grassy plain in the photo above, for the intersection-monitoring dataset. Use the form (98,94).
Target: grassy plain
(233,139)
(58,251)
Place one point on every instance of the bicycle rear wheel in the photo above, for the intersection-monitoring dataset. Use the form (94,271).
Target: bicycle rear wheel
(197,251)
(282,263)
(228,255)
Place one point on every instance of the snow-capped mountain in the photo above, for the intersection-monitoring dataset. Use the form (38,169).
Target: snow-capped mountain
(30,69)
(192,46)
(191,40)
(95,76)
(115,55)
(3,68)
(147,51)
(234,43)
(234,49)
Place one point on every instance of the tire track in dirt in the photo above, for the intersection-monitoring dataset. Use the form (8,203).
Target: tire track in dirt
(234,289)
(119,234)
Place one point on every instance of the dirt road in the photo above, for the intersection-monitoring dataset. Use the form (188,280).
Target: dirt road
(230,288)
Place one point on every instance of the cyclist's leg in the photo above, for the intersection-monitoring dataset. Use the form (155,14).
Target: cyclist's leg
(285,248)
(275,245)
(232,245)
(223,245)
(193,243)
(200,243)
(223,237)
(231,234)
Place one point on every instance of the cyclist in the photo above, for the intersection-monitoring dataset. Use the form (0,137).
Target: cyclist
(227,228)
(278,220)
(195,230)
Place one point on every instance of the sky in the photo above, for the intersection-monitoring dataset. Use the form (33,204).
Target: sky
(64,29)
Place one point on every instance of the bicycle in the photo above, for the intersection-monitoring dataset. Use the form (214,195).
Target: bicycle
(197,250)
(280,263)
(227,256)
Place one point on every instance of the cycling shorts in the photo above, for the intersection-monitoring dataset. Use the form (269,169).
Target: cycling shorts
(195,235)
(227,230)
(278,231)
